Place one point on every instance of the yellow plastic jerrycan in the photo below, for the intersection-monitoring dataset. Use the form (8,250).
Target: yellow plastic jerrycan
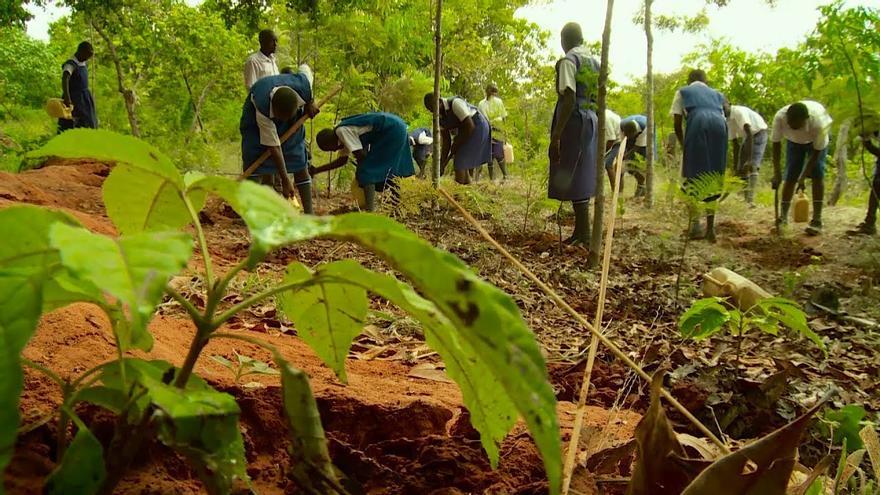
(508,153)
(357,192)
(801,208)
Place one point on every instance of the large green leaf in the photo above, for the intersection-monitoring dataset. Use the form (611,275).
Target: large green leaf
(139,199)
(491,411)
(704,318)
(132,269)
(144,192)
(790,314)
(328,315)
(270,219)
(483,316)
(82,469)
(26,263)
(198,421)
(202,424)
(311,459)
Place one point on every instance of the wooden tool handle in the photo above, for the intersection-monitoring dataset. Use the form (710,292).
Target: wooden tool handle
(290,132)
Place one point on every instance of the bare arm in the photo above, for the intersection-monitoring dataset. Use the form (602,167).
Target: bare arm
(679,128)
(464,133)
(278,157)
(567,103)
(871,147)
(735,154)
(777,158)
(811,164)
(333,165)
(65,87)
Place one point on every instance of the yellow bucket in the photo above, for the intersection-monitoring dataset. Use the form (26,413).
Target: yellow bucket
(56,109)
(357,192)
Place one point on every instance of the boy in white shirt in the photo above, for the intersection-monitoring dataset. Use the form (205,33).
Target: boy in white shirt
(805,127)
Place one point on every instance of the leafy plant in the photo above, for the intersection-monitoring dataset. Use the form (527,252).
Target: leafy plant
(476,328)
(711,315)
(843,425)
(245,365)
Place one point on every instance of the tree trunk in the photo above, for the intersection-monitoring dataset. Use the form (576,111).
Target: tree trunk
(128,95)
(198,106)
(197,119)
(840,157)
(438,64)
(649,108)
(599,208)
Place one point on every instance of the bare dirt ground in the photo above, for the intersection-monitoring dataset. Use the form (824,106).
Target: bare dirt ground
(394,432)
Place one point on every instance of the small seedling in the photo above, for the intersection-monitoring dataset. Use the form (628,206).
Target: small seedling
(245,365)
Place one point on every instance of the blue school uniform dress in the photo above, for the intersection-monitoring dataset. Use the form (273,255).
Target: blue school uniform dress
(420,152)
(574,177)
(259,99)
(478,148)
(705,137)
(84,114)
(386,145)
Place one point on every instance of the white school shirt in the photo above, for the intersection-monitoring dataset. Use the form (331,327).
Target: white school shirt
(739,117)
(350,137)
(677,103)
(642,137)
(257,66)
(422,139)
(612,126)
(70,68)
(493,109)
(567,70)
(815,131)
(459,107)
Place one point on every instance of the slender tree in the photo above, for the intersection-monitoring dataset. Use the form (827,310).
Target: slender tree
(438,64)
(649,107)
(599,209)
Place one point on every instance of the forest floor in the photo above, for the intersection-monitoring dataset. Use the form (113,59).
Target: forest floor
(398,426)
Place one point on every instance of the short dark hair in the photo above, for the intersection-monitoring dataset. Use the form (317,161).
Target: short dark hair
(429,101)
(325,137)
(285,99)
(491,88)
(797,112)
(697,75)
(266,35)
(572,35)
(287,70)
(85,46)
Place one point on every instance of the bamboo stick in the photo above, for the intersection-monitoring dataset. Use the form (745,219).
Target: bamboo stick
(559,301)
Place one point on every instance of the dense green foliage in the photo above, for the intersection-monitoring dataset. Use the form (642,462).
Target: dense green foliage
(476,328)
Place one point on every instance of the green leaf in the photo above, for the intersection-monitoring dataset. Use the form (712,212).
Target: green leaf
(199,422)
(269,217)
(328,315)
(847,424)
(311,459)
(704,318)
(111,398)
(484,316)
(202,424)
(26,263)
(145,190)
(491,410)
(82,469)
(133,269)
(790,314)
(139,200)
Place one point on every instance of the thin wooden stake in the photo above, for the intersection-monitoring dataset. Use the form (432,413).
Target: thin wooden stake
(560,302)
(571,456)
(290,132)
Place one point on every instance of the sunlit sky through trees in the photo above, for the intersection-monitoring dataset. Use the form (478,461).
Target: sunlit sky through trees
(747,24)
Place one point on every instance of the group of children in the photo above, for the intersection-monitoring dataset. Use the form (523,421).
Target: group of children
(704,124)
(384,149)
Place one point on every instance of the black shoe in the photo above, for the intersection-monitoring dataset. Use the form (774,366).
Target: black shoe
(710,236)
(815,228)
(863,228)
